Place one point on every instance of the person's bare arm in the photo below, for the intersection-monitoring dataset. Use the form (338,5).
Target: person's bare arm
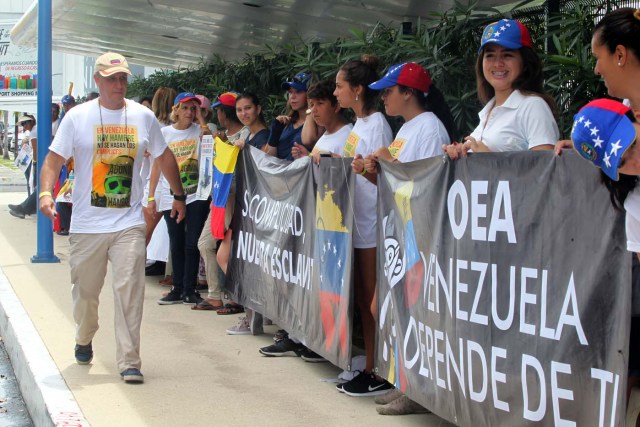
(48,176)
(154,177)
(311,132)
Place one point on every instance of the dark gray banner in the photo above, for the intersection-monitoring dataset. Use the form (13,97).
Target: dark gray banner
(504,290)
(291,256)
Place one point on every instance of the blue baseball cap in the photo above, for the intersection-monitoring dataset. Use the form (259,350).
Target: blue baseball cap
(186,96)
(408,74)
(299,82)
(507,33)
(602,133)
(68,99)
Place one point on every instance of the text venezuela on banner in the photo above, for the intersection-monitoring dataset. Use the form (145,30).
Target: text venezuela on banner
(291,256)
(504,290)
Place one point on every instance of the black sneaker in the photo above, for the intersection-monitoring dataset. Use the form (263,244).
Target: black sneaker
(366,384)
(280,335)
(173,297)
(310,356)
(84,354)
(339,385)
(192,299)
(17,213)
(132,376)
(283,347)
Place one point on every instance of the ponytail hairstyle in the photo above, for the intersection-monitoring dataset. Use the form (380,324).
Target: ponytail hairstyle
(434,102)
(362,72)
(620,27)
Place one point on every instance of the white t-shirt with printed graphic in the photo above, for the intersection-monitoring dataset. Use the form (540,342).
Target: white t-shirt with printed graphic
(521,123)
(185,145)
(333,142)
(368,134)
(108,157)
(419,138)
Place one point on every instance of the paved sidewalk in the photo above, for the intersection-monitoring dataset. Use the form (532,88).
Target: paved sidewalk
(195,374)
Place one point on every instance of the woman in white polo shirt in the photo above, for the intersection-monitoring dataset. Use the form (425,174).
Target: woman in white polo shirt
(518,115)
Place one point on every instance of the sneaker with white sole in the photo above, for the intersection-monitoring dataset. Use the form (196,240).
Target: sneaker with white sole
(366,384)
(311,356)
(132,376)
(241,328)
(283,347)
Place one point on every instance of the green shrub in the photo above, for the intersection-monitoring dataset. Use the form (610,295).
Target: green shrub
(444,43)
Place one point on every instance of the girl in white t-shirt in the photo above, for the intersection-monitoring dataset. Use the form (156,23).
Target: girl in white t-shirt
(183,137)
(408,91)
(327,118)
(518,115)
(370,133)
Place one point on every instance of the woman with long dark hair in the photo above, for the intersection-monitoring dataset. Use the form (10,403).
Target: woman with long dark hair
(517,115)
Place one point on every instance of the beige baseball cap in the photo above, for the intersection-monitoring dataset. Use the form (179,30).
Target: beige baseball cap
(111,63)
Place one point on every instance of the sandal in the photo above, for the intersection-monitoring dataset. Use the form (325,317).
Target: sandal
(207,306)
(231,309)
(167,281)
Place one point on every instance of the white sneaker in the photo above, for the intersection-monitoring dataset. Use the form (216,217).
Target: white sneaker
(241,328)
(633,407)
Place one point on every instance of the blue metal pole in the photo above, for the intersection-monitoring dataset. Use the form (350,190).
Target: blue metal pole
(44,246)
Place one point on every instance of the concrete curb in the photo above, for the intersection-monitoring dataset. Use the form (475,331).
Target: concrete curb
(46,395)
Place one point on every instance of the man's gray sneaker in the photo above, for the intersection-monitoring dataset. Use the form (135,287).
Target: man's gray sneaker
(132,376)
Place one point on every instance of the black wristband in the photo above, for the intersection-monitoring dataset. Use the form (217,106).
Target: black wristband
(180,197)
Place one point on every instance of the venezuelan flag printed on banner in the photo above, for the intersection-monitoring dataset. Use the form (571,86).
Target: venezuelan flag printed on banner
(333,245)
(224,165)
(414,268)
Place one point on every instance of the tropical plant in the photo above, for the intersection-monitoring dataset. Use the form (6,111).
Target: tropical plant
(444,43)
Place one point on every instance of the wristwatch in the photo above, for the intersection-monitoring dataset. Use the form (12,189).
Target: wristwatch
(180,197)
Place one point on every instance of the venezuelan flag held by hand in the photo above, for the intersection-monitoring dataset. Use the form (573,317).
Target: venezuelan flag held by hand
(224,166)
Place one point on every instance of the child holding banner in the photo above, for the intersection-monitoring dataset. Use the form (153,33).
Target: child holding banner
(249,112)
(370,133)
(408,91)
(518,115)
(327,115)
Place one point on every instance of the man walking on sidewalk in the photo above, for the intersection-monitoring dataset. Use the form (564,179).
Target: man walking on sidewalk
(107,138)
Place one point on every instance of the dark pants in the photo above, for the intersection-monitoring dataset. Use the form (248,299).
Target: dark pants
(183,241)
(27,173)
(64,210)
(30,205)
